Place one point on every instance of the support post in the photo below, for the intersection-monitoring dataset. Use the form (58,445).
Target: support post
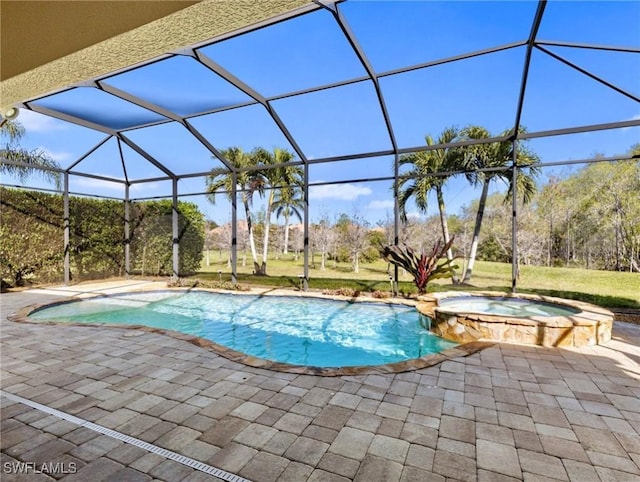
(514,218)
(174,229)
(66,229)
(305,280)
(234,227)
(396,218)
(127,233)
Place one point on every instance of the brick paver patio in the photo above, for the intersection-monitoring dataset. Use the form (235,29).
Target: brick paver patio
(508,412)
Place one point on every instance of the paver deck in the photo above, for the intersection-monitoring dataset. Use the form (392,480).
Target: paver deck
(508,412)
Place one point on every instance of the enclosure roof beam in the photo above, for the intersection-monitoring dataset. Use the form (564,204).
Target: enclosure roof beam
(68,118)
(201,23)
(613,48)
(580,129)
(266,101)
(527,63)
(151,198)
(401,70)
(327,4)
(216,110)
(158,122)
(239,84)
(349,157)
(98,177)
(4,160)
(469,142)
(271,166)
(260,167)
(166,113)
(318,88)
(105,87)
(589,74)
(455,58)
(374,179)
(257,98)
(466,142)
(297,11)
(56,191)
(150,179)
(355,45)
(124,164)
(523,136)
(210,147)
(359,180)
(590,160)
(146,155)
(88,153)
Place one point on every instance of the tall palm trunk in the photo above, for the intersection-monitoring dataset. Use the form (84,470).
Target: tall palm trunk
(286,234)
(476,232)
(445,228)
(252,243)
(262,270)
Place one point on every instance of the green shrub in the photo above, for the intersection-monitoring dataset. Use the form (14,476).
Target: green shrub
(152,239)
(32,237)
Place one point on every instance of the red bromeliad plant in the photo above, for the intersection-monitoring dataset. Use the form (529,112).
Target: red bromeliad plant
(423,267)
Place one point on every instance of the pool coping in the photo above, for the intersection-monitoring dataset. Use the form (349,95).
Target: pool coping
(461,350)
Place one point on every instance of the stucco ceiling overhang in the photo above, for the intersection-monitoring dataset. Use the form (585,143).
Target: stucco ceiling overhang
(49,45)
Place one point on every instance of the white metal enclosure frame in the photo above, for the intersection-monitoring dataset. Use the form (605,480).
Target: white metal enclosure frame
(150,114)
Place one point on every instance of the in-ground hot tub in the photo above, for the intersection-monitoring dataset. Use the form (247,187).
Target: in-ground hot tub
(528,319)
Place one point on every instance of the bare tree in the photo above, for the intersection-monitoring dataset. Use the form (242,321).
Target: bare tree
(353,231)
(322,238)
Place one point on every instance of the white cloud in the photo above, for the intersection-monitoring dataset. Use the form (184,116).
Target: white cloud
(145,186)
(633,118)
(415,215)
(57,156)
(388,204)
(341,192)
(92,183)
(34,122)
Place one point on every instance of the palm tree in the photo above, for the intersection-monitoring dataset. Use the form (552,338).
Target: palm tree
(13,131)
(428,172)
(249,183)
(288,203)
(495,155)
(278,179)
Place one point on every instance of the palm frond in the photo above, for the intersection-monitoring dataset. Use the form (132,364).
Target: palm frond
(36,162)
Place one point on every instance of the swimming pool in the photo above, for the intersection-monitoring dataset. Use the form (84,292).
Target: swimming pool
(293,330)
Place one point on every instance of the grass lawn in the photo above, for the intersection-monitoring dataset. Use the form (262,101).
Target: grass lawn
(605,288)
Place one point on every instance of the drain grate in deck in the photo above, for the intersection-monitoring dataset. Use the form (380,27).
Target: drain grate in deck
(168,454)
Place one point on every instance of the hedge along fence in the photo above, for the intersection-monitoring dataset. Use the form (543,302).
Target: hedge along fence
(32,242)
(151,237)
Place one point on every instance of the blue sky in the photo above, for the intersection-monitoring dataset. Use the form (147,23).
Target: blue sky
(311,51)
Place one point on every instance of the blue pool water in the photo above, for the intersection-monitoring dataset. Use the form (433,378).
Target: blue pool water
(517,307)
(298,331)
